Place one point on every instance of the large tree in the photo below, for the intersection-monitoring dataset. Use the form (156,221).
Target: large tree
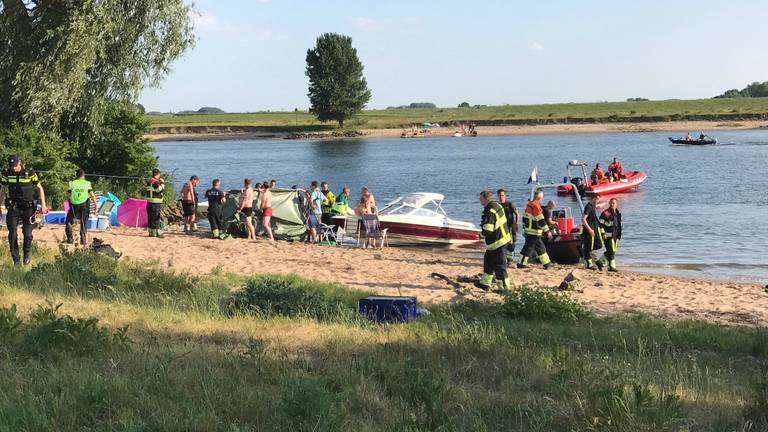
(337,88)
(63,62)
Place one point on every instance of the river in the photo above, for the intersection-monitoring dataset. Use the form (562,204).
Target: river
(702,212)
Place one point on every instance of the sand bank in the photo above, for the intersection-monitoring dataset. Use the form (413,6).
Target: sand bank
(676,126)
(396,271)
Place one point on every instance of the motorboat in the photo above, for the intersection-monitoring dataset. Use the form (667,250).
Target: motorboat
(419,219)
(590,186)
(701,141)
(565,246)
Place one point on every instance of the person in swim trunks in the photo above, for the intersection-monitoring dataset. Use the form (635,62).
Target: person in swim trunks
(246,208)
(189,204)
(266,209)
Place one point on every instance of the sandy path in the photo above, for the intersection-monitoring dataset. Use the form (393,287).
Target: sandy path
(408,272)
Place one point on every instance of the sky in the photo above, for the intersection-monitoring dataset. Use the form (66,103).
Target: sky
(250,54)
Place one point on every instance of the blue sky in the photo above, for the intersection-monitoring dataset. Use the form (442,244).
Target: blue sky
(250,53)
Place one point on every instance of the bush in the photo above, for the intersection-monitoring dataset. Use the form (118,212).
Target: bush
(537,304)
(9,325)
(291,296)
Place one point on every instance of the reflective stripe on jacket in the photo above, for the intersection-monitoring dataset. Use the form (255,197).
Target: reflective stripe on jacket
(494,226)
(154,191)
(533,219)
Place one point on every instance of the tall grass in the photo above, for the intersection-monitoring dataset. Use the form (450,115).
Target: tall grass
(471,366)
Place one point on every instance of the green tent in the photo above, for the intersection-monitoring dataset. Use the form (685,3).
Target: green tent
(287,219)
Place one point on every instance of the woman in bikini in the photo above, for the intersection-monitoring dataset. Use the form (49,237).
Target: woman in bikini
(246,208)
(266,209)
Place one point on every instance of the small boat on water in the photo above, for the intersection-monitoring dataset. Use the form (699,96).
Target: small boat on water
(587,186)
(565,245)
(419,219)
(700,141)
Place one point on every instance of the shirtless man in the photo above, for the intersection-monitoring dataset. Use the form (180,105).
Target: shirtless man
(266,209)
(189,204)
(365,192)
(246,208)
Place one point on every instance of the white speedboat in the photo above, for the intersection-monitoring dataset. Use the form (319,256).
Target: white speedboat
(419,218)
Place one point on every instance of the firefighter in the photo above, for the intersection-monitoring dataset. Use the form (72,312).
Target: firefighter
(610,222)
(18,191)
(513,219)
(496,236)
(154,194)
(591,234)
(534,226)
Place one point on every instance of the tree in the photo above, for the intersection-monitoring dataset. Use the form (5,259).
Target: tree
(337,87)
(62,62)
(464,105)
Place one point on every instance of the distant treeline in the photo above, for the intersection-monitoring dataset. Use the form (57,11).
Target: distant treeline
(756,89)
(203,110)
(415,105)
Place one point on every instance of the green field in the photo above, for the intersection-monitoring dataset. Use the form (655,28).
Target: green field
(575,112)
(288,354)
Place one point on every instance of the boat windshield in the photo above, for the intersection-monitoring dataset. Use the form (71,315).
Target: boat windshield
(418,204)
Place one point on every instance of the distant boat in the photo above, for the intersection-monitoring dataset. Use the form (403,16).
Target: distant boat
(705,141)
(457,135)
(586,186)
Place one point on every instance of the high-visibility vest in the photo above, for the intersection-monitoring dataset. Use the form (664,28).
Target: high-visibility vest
(533,219)
(21,185)
(154,191)
(78,191)
(494,226)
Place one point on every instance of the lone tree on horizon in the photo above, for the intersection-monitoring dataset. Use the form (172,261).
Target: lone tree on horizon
(337,87)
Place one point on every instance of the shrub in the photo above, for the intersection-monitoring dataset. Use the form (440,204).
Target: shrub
(9,325)
(307,405)
(537,304)
(291,296)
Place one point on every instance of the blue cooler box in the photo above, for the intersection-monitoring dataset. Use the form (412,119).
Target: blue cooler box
(388,308)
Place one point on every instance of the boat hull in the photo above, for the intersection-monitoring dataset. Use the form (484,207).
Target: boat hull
(693,142)
(565,249)
(405,233)
(632,181)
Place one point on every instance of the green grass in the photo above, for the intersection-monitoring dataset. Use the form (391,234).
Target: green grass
(574,112)
(187,362)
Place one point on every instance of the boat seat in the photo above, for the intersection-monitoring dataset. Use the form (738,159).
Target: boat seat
(565,225)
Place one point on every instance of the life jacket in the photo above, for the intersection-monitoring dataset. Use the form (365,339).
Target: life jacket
(494,226)
(533,219)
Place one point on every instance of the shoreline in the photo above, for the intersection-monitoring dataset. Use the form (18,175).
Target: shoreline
(399,271)
(223,133)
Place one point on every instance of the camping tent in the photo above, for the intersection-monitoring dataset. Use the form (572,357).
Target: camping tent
(133,213)
(287,219)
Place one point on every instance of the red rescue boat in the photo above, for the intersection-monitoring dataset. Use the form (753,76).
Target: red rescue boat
(586,186)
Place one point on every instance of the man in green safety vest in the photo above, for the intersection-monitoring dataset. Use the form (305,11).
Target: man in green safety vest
(495,233)
(80,195)
(18,192)
(153,192)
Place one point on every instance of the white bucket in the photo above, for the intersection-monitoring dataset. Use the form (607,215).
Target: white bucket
(103,223)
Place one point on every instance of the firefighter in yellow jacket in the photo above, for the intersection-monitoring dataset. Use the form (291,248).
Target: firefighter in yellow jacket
(496,236)
(535,226)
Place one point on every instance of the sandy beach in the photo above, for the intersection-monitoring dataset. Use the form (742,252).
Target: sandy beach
(399,271)
(677,126)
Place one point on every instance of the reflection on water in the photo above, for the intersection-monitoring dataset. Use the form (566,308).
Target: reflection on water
(702,205)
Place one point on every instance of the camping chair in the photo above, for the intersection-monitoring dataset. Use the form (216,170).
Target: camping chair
(373,230)
(350,230)
(327,234)
(106,208)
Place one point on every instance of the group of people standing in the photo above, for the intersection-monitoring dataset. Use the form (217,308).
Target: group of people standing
(499,227)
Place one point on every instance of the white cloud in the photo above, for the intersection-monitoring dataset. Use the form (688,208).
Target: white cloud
(205,21)
(366,23)
(536,46)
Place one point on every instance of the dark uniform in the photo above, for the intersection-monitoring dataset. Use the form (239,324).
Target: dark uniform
(496,236)
(21,207)
(215,197)
(534,226)
(154,195)
(589,242)
(512,226)
(610,222)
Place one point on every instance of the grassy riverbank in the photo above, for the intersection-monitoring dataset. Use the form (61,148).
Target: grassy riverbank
(290,354)
(649,111)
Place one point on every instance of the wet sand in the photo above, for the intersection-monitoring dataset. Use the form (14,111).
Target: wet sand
(404,271)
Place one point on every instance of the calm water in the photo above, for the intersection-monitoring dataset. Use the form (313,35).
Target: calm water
(703,211)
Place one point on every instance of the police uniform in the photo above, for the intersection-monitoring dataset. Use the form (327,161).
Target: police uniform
(154,195)
(534,226)
(591,242)
(610,223)
(21,207)
(511,213)
(496,236)
(79,208)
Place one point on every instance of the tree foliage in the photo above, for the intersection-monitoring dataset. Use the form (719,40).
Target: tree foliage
(756,89)
(464,105)
(62,62)
(337,87)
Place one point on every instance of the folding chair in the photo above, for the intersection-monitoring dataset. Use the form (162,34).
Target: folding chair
(106,208)
(373,230)
(349,230)
(327,234)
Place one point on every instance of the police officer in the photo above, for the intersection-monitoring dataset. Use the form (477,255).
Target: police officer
(496,236)
(610,223)
(154,194)
(18,190)
(591,238)
(513,219)
(80,190)
(534,226)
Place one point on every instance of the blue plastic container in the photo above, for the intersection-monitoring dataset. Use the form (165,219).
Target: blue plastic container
(388,308)
(56,217)
(93,223)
